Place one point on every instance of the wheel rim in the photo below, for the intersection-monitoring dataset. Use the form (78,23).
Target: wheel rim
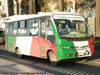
(52,57)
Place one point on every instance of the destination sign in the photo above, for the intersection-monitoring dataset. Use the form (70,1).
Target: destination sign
(70,17)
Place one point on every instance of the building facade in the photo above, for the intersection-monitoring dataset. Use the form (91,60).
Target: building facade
(3,8)
(3,11)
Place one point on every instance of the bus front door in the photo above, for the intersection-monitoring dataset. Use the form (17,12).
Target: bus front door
(43,38)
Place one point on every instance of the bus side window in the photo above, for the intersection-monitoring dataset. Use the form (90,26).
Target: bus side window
(11,28)
(33,27)
(50,33)
(22,29)
(7,32)
(15,28)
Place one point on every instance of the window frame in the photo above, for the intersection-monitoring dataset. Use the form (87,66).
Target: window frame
(36,20)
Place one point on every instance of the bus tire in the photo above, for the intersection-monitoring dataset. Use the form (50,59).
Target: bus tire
(52,58)
(18,53)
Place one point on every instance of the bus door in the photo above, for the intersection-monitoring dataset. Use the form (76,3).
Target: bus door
(43,37)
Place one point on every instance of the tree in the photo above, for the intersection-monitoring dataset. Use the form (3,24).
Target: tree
(61,8)
(32,7)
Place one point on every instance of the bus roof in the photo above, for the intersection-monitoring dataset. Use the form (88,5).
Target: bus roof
(23,17)
(40,14)
(56,13)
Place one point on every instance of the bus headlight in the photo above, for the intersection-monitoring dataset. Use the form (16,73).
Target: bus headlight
(67,47)
(64,47)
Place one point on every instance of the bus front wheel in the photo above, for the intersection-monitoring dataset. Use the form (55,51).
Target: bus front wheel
(52,58)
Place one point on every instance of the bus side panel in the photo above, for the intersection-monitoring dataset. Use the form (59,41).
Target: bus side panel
(10,43)
(24,44)
(35,49)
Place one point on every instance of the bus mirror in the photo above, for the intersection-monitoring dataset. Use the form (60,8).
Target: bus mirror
(47,23)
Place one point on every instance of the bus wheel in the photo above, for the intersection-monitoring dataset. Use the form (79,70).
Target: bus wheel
(18,53)
(52,59)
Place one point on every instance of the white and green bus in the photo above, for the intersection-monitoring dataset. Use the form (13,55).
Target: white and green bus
(54,36)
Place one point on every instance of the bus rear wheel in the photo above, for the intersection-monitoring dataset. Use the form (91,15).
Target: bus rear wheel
(18,53)
(52,58)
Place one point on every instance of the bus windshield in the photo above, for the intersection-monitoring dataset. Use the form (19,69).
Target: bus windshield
(72,28)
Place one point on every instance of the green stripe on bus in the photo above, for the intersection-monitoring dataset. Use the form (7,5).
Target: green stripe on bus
(10,43)
(63,54)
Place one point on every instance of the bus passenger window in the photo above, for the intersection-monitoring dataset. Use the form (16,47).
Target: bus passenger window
(22,24)
(30,22)
(32,27)
(7,32)
(43,28)
(11,28)
(22,29)
(15,28)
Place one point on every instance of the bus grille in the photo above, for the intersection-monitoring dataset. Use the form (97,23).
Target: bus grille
(80,48)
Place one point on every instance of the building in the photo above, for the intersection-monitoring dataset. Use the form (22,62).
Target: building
(12,7)
(3,8)
(3,11)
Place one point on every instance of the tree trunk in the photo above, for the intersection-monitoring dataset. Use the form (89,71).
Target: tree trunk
(61,8)
(32,8)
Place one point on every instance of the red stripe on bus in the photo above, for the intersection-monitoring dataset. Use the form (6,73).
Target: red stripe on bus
(91,45)
(35,49)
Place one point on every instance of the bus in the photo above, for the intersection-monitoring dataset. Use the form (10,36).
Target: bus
(2,37)
(54,36)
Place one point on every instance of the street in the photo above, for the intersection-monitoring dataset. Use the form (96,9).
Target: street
(10,64)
